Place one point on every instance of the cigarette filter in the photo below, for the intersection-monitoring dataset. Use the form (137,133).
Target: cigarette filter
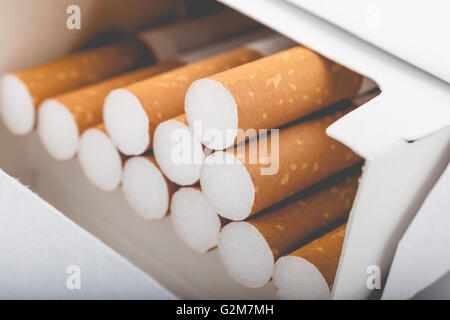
(21,92)
(178,152)
(302,155)
(249,249)
(62,119)
(146,189)
(100,160)
(195,222)
(267,94)
(309,272)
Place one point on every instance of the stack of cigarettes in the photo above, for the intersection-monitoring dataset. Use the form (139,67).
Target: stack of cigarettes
(222,129)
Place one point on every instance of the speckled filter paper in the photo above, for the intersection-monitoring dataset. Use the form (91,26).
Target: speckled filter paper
(291,222)
(324,253)
(86,104)
(283,87)
(80,69)
(423,254)
(306,156)
(162,97)
(38,245)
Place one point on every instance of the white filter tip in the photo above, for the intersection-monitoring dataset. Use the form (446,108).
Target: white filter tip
(100,160)
(298,279)
(194,220)
(211,110)
(16,105)
(178,153)
(227,185)
(58,130)
(245,254)
(145,188)
(126,122)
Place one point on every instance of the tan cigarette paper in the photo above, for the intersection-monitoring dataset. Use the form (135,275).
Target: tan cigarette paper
(161,98)
(267,93)
(24,90)
(79,69)
(62,119)
(238,184)
(249,249)
(306,214)
(86,104)
(309,272)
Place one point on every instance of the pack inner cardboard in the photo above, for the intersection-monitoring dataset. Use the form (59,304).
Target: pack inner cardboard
(402,135)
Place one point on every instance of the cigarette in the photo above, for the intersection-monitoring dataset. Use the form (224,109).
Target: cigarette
(195,222)
(178,152)
(146,189)
(309,272)
(169,135)
(100,160)
(132,113)
(297,81)
(249,249)
(301,156)
(169,40)
(62,119)
(21,92)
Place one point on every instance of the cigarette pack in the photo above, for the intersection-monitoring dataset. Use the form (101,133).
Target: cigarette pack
(56,224)
(402,134)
